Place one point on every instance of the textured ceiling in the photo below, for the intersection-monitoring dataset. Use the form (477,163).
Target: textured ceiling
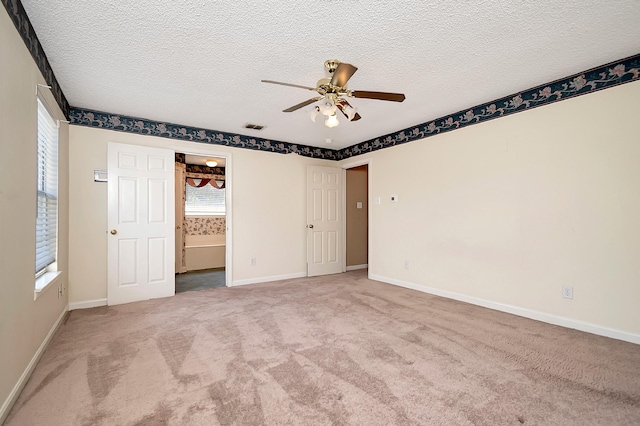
(199,63)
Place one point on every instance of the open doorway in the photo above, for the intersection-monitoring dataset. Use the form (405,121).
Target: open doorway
(357,217)
(201,222)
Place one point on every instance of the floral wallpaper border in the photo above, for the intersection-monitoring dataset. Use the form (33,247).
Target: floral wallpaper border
(20,19)
(104,120)
(605,76)
(195,168)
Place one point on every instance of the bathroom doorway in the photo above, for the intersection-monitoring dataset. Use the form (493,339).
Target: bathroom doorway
(201,222)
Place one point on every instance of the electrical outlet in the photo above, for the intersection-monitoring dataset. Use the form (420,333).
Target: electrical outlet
(59,290)
(406,264)
(252,262)
(567,292)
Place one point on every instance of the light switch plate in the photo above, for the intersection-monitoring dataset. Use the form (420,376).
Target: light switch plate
(359,205)
(100,176)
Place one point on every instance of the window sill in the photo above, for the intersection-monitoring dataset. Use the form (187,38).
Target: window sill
(46,281)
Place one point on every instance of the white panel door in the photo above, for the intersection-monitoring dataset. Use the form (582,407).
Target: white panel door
(324,220)
(141,247)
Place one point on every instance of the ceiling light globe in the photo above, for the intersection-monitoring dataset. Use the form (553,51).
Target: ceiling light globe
(331,121)
(351,112)
(327,107)
(313,114)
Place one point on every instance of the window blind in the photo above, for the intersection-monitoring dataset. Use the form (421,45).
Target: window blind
(206,200)
(47,190)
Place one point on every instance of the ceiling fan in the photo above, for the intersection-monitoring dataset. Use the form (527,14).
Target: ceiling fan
(332,91)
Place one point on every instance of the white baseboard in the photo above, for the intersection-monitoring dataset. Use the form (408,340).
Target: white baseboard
(87,304)
(269,279)
(515,310)
(15,392)
(356,267)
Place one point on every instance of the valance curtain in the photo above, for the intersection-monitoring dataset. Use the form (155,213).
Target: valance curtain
(218,179)
(200,182)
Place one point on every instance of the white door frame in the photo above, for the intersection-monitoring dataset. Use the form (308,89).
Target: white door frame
(351,165)
(180,172)
(211,152)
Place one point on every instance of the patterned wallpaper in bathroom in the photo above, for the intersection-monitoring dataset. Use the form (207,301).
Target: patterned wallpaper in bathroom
(202,225)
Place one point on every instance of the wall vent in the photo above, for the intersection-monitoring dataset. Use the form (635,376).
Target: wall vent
(253,126)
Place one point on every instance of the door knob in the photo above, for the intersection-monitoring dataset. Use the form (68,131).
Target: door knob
(114,232)
(311,226)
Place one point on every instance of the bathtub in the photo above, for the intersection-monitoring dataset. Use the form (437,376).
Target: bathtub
(205,251)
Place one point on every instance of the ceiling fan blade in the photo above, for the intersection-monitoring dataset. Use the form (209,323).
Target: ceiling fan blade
(288,84)
(342,74)
(342,104)
(302,104)
(383,96)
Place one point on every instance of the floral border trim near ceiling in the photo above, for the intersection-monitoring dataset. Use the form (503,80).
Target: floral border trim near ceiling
(612,74)
(196,168)
(122,123)
(20,19)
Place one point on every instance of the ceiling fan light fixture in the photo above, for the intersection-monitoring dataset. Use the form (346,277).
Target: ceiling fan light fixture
(332,90)
(211,163)
(331,121)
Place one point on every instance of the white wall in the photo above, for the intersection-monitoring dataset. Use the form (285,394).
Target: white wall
(24,323)
(510,210)
(268,210)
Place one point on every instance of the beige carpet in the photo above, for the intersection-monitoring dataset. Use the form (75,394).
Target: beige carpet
(336,350)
